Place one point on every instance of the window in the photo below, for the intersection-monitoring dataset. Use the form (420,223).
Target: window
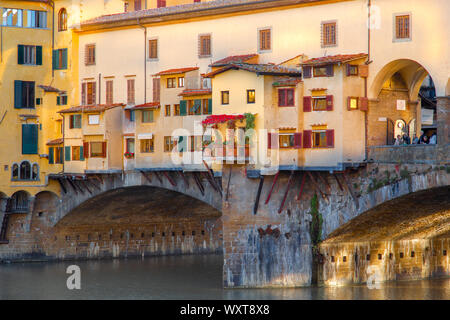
(251,96)
(109,92)
(88,93)
(329,34)
(89,54)
(169,143)
(96,149)
(204,45)
(62,20)
(196,143)
(24,94)
(286,140)
(129,145)
(324,71)
(319,139)
(352,103)
(194,107)
(180,82)
(137,5)
(147,146)
(161,3)
(61,99)
(147,116)
(58,155)
(130,91)
(76,153)
(15,171)
(402,27)
(132,115)
(25,171)
(153,49)
(60,59)
(205,106)
(156,89)
(36,19)
(75,121)
(31,55)
(320,104)
(176,110)
(265,40)
(171,82)
(167,110)
(352,70)
(94,119)
(286,97)
(225,97)
(12,17)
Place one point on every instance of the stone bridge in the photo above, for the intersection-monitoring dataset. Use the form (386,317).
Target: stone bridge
(268,227)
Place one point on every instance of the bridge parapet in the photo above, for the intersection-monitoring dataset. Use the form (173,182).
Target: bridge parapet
(411,154)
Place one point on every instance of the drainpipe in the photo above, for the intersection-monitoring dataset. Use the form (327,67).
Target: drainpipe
(52,4)
(145,59)
(99,88)
(366,152)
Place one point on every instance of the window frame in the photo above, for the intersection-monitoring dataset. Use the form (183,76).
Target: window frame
(286,100)
(168,147)
(167,110)
(395,30)
(90,60)
(147,112)
(150,51)
(201,52)
(151,146)
(324,41)
(92,115)
(313,136)
(248,96)
(172,81)
(19,18)
(291,140)
(313,103)
(222,94)
(73,153)
(62,20)
(95,155)
(259,44)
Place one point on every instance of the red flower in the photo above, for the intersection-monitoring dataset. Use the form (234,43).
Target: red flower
(222,118)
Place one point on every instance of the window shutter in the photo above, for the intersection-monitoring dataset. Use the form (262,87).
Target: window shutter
(182,144)
(29,138)
(297,140)
(349,102)
(127,114)
(94,91)
(307,135)
(86,149)
(272,141)
(83,94)
(81,153)
(18,94)
(307,72)
(329,103)
(20,54)
(363,104)
(66,153)
(51,151)
(61,155)
(55,60)
(183,107)
(307,104)
(39,55)
(58,100)
(281,97)
(197,104)
(156,89)
(71,120)
(104,149)
(64,59)
(209,106)
(330,70)
(330,138)
(347,68)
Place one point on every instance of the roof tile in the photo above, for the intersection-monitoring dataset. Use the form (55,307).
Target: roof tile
(340,58)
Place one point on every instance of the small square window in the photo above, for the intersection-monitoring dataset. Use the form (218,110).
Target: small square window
(251,96)
(403,27)
(171,82)
(147,146)
(94,119)
(352,70)
(353,103)
(265,40)
(225,97)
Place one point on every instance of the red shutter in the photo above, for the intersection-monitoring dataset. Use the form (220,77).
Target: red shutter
(329,103)
(104,149)
(83,94)
(297,140)
(71,122)
(127,114)
(307,104)
(307,72)
(281,97)
(349,102)
(272,141)
(363,104)
(347,68)
(307,135)
(330,70)
(86,149)
(94,91)
(330,138)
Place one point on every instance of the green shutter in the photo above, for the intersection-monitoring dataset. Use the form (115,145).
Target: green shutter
(39,55)
(81,153)
(58,100)
(55,60)
(61,155)
(17,94)
(182,144)
(51,158)
(209,106)
(183,106)
(29,138)
(64,59)
(20,54)
(66,153)
(197,105)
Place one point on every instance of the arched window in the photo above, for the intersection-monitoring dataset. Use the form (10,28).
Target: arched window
(25,171)
(15,172)
(35,172)
(62,20)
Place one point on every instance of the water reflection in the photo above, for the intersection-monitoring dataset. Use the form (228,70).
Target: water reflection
(186,277)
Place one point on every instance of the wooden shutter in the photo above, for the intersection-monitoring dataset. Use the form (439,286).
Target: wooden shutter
(363,104)
(130,91)
(94,92)
(330,138)
(18,94)
(307,72)
(29,138)
(297,140)
(61,155)
(209,106)
(182,144)
(81,153)
(20,54)
(156,89)
(66,153)
(183,107)
(63,65)
(104,149)
(71,121)
(307,139)
(51,156)
(272,141)
(307,101)
(39,55)
(83,94)
(109,92)
(330,70)
(128,114)
(329,103)
(86,149)
(58,100)
(55,61)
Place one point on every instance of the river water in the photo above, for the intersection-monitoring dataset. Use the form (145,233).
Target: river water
(179,277)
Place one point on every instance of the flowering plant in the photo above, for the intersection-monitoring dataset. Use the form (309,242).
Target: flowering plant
(129,155)
(222,118)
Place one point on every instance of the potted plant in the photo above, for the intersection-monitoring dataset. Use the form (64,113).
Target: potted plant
(129,155)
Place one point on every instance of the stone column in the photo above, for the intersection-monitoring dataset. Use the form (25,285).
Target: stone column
(443,128)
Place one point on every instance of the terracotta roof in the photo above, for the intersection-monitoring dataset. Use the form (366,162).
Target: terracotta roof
(288,81)
(175,71)
(49,89)
(195,92)
(93,108)
(55,142)
(148,105)
(267,69)
(340,58)
(233,59)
